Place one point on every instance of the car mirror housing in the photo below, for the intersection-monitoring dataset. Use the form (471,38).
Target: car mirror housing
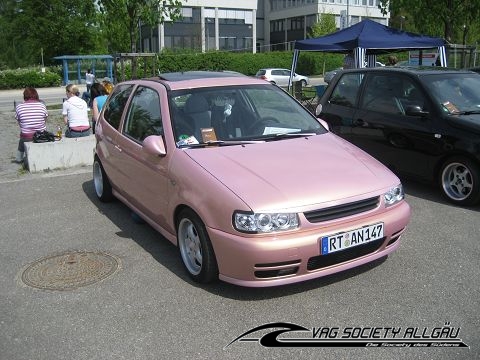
(154,145)
(415,110)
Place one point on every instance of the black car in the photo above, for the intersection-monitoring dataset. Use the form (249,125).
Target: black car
(421,122)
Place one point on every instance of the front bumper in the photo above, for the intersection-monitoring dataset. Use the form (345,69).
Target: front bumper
(280,259)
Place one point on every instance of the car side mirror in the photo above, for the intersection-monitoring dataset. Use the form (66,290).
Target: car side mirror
(415,110)
(154,145)
(318,110)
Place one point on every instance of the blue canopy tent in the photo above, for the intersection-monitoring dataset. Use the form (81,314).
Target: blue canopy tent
(367,39)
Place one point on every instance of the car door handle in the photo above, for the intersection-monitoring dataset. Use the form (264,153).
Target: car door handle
(118,148)
(358,122)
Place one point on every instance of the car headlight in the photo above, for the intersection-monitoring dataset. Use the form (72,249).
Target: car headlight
(264,222)
(394,195)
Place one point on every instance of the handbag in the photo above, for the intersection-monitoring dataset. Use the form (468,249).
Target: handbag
(42,136)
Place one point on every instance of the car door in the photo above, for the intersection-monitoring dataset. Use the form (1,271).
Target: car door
(108,130)
(145,175)
(280,77)
(339,104)
(384,126)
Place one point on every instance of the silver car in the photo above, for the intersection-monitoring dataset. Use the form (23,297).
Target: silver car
(280,76)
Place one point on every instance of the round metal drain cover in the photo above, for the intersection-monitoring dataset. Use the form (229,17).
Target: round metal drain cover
(70,270)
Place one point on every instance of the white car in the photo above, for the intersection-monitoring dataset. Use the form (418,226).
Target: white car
(280,76)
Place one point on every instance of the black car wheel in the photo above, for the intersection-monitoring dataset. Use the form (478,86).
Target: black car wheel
(460,181)
(103,189)
(304,83)
(195,248)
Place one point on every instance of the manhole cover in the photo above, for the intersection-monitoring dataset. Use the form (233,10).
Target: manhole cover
(70,270)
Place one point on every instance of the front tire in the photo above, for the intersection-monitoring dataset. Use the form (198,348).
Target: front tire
(460,181)
(103,189)
(195,248)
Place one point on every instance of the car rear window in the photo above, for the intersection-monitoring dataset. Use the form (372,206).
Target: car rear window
(260,72)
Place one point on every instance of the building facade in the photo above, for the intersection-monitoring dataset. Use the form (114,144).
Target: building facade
(252,25)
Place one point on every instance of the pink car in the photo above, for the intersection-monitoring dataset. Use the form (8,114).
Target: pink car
(249,185)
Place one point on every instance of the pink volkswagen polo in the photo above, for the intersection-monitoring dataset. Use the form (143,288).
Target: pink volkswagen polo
(249,185)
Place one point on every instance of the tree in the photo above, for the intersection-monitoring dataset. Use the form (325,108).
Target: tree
(32,27)
(325,25)
(452,19)
(124,17)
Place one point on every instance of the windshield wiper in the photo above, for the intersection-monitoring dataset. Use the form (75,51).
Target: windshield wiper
(287,135)
(222,143)
(469,112)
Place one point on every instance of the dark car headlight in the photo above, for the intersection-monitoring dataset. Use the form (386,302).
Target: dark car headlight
(394,195)
(264,222)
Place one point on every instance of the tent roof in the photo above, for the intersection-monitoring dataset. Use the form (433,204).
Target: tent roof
(371,36)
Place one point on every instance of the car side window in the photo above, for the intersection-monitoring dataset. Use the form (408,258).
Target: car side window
(144,116)
(391,94)
(114,108)
(346,90)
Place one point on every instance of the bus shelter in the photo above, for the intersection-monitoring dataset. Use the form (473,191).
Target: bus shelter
(73,66)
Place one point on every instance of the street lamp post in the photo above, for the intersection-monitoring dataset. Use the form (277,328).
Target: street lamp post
(348,6)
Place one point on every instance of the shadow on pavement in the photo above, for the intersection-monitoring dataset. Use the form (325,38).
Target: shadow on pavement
(430,192)
(168,256)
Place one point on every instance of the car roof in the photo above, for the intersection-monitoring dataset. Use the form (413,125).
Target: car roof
(415,70)
(274,69)
(200,79)
(191,75)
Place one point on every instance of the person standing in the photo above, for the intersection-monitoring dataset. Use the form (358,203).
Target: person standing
(75,113)
(89,79)
(31,116)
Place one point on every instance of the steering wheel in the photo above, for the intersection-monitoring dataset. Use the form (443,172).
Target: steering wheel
(258,127)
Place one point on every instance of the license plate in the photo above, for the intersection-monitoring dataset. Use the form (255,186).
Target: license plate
(348,239)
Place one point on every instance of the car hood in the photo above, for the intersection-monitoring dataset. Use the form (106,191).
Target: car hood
(466,122)
(295,172)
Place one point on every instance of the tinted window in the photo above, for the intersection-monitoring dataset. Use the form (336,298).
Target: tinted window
(391,93)
(346,90)
(144,116)
(455,92)
(116,104)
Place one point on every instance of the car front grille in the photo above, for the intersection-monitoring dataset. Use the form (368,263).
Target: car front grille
(340,211)
(322,261)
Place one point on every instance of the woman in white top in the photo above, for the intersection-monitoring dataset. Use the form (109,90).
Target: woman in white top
(75,113)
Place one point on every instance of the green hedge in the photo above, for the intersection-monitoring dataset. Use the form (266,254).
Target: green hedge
(309,63)
(21,78)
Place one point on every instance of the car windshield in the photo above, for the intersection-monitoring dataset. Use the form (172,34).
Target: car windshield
(456,93)
(235,114)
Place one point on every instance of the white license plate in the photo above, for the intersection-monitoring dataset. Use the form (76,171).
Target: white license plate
(348,239)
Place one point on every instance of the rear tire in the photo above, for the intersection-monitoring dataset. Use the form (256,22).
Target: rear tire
(195,248)
(102,186)
(460,181)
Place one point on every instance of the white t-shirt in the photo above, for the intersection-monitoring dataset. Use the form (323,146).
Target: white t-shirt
(89,78)
(76,110)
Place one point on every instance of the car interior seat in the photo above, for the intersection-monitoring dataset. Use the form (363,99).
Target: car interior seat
(197,108)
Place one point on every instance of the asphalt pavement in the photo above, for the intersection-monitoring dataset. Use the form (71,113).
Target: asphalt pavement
(149,309)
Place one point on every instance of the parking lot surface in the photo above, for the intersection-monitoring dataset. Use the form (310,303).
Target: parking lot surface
(147,308)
